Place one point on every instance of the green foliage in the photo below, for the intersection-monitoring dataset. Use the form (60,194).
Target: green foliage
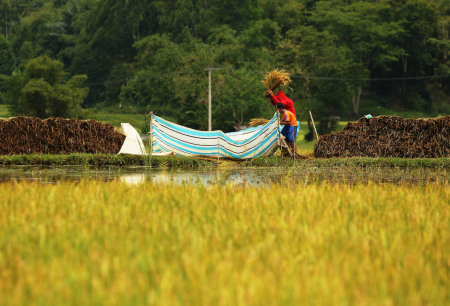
(151,55)
(238,99)
(171,81)
(41,90)
(158,59)
(308,52)
(7,57)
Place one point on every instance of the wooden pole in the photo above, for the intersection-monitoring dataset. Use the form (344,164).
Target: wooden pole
(315,131)
(209,100)
(279,134)
(210,96)
(151,134)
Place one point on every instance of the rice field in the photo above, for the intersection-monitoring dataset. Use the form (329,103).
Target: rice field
(90,242)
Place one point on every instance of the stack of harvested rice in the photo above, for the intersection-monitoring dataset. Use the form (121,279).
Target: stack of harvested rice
(389,136)
(275,78)
(258,121)
(26,135)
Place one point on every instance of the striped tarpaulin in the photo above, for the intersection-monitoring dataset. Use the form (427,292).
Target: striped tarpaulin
(245,144)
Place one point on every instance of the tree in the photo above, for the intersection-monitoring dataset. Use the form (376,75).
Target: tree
(7,58)
(368,37)
(320,69)
(170,80)
(42,90)
(424,38)
(151,53)
(12,10)
(105,34)
(238,97)
(42,27)
(158,60)
(288,14)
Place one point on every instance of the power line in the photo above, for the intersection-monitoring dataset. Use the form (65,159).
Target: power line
(373,79)
(295,76)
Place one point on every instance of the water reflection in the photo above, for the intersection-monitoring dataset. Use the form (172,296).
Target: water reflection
(235,177)
(135,175)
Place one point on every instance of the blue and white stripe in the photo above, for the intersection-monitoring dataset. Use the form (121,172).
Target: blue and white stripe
(245,144)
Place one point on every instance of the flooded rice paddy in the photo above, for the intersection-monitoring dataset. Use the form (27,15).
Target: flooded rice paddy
(227,176)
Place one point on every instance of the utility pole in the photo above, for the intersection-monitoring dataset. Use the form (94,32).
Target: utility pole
(209,95)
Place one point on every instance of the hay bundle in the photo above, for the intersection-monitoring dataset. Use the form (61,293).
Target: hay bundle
(389,136)
(258,121)
(27,135)
(275,78)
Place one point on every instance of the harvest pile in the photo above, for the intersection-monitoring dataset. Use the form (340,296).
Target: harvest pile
(258,121)
(275,78)
(25,135)
(389,136)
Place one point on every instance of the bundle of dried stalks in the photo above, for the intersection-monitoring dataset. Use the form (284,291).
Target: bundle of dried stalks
(275,78)
(388,136)
(26,135)
(258,121)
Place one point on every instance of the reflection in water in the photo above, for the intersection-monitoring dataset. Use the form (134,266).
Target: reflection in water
(234,176)
(135,175)
(207,178)
(133,179)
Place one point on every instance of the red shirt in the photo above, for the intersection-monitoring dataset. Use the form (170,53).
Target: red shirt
(283,99)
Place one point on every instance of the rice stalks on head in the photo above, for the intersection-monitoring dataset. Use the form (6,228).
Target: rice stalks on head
(258,121)
(275,78)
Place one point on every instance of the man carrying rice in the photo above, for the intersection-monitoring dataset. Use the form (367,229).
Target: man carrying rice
(280,97)
(272,80)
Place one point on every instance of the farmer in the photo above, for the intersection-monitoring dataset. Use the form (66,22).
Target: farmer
(281,98)
(289,121)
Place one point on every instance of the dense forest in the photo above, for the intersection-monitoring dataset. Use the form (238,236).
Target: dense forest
(60,57)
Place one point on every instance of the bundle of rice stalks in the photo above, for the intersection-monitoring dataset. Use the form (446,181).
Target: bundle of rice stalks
(258,121)
(275,78)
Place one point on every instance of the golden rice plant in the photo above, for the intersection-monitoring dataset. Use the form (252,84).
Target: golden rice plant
(258,121)
(275,78)
(90,242)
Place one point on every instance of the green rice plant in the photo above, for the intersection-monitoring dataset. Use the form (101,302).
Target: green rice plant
(91,242)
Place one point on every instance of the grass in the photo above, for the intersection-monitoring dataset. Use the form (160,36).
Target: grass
(4,113)
(196,162)
(373,105)
(274,161)
(103,160)
(307,147)
(304,147)
(110,243)
(116,116)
